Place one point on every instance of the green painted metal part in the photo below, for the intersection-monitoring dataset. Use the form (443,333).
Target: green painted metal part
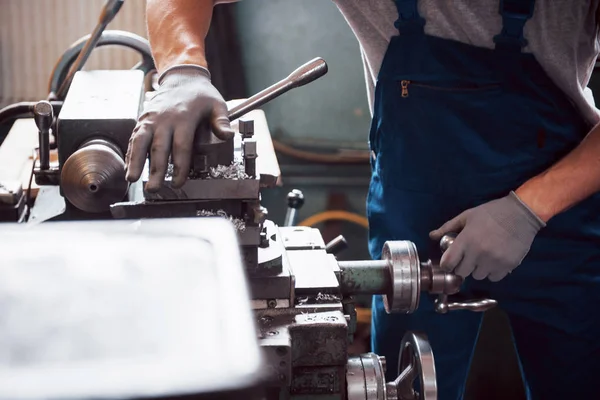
(365,277)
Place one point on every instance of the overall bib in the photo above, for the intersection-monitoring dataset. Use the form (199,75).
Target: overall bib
(456,126)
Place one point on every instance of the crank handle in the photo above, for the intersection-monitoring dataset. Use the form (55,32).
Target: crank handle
(442,306)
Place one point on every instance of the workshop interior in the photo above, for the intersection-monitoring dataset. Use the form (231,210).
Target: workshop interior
(268,295)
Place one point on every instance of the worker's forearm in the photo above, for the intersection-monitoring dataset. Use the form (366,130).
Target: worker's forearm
(571,180)
(177,30)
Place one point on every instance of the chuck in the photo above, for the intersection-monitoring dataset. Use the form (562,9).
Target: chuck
(93,177)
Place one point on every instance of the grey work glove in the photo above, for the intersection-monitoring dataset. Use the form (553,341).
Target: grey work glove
(493,238)
(185,101)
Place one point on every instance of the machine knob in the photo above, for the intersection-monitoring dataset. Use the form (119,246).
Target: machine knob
(43,115)
(295,200)
(337,245)
(93,177)
(446,241)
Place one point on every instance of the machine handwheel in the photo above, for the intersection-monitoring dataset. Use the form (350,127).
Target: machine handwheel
(415,365)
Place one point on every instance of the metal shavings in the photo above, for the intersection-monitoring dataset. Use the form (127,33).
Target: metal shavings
(233,171)
(319,299)
(301,300)
(238,223)
(326,298)
(169,173)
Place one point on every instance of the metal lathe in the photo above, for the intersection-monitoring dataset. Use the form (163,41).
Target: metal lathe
(242,309)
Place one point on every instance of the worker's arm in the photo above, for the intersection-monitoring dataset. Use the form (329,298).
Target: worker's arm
(568,182)
(185,101)
(177,29)
(495,237)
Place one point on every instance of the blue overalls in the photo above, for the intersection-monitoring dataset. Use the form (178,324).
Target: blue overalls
(456,126)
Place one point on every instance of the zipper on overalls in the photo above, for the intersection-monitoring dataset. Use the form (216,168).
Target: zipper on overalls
(404,85)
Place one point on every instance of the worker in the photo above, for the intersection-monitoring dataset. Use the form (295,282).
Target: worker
(483,126)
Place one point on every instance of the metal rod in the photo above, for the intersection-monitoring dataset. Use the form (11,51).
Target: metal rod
(110,10)
(365,277)
(43,116)
(23,110)
(336,245)
(307,73)
(290,217)
(295,200)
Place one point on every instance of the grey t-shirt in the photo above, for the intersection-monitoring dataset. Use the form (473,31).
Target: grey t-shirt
(563,35)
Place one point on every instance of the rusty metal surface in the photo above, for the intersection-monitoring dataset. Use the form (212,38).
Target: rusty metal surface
(320,339)
(365,277)
(306,349)
(310,382)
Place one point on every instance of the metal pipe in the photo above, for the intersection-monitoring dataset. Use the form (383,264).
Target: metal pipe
(290,217)
(110,10)
(108,38)
(365,277)
(303,75)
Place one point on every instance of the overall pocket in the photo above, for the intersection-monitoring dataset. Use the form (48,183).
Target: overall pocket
(446,86)
(451,137)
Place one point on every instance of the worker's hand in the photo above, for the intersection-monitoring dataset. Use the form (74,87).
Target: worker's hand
(494,238)
(185,101)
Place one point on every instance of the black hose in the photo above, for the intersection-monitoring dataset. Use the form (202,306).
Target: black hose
(24,109)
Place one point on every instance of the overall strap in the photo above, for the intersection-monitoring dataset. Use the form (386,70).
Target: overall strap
(409,21)
(515,13)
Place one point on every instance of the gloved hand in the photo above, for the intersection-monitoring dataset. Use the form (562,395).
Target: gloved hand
(185,101)
(493,238)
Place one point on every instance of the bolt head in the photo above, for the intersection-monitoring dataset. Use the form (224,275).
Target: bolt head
(249,147)
(246,127)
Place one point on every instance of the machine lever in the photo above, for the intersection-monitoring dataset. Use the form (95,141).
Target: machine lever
(295,201)
(441,303)
(43,115)
(442,306)
(336,245)
(307,73)
(110,10)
